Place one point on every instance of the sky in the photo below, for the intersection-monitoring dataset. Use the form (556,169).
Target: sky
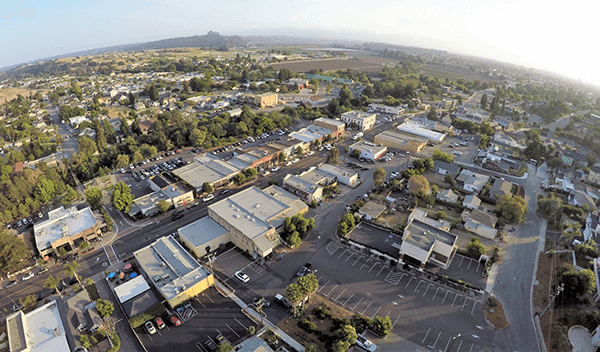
(557,36)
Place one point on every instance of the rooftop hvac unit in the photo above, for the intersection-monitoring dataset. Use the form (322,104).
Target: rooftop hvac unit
(183,287)
(162,264)
(257,205)
(237,216)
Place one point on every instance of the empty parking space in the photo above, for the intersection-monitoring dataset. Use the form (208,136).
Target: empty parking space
(463,268)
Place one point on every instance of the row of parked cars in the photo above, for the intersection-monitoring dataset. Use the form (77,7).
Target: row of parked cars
(25,222)
(156,169)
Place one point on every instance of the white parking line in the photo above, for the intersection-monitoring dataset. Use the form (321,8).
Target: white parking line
(408,283)
(363,312)
(376,263)
(236,334)
(365,263)
(327,295)
(388,313)
(209,298)
(380,270)
(199,346)
(322,287)
(416,288)
(395,321)
(344,252)
(448,343)
(454,300)
(447,292)
(335,300)
(471,350)
(461,260)
(460,344)
(357,259)
(401,277)
(436,291)
(424,293)
(428,330)
(356,305)
(478,264)
(244,326)
(474,304)
(463,305)
(348,300)
(469,266)
(351,255)
(436,340)
(373,316)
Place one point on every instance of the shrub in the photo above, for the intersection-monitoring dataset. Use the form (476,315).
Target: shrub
(322,311)
(252,330)
(85,341)
(307,326)
(381,326)
(360,323)
(475,249)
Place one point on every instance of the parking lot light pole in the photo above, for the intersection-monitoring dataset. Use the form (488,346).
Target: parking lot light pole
(452,342)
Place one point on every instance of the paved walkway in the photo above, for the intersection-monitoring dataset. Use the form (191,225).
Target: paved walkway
(581,339)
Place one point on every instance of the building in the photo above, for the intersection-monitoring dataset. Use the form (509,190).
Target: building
(501,188)
(444,168)
(592,227)
(299,83)
(255,344)
(471,202)
(336,126)
(207,168)
(384,109)
(40,330)
(253,216)
(343,176)
(447,195)
(402,141)
(368,150)
(304,189)
(423,243)
(266,100)
(65,228)
(203,236)
(371,210)
(173,271)
(472,181)
(310,134)
(82,315)
(176,192)
(363,120)
(480,223)
(135,296)
(416,129)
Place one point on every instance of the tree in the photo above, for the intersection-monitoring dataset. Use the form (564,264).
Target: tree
(207,187)
(418,184)
(163,205)
(28,302)
(511,209)
(381,325)
(346,333)
(379,176)
(475,249)
(340,346)
(153,93)
(122,198)
(332,157)
(432,114)
(13,252)
(122,161)
(197,137)
(71,270)
(441,156)
(309,284)
(104,307)
(239,179)
(555,163)
(299,151)
(44,190)
(93,196)
(226,347)
(281,158)
(576,283)
(52,283)
(484,101)
(294,294)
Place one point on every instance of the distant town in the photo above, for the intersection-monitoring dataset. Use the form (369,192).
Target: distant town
(297,198)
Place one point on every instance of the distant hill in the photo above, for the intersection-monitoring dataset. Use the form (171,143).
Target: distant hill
(212,40)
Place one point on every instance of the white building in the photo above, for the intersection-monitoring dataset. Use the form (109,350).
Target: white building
(413,128)
(363,120)
(368,150)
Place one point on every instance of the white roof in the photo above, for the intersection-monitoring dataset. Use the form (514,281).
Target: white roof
(131,288)
(412,128)
(201,231)
(62,223)
(40,330)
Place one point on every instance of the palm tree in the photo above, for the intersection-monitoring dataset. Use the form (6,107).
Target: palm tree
(71,270)
(52,283)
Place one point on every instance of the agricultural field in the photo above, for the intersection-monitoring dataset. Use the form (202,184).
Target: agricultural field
(329,65)
(453,73)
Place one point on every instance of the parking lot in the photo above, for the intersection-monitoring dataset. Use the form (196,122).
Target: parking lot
(374,237)
(209,316)
(463,268)
(423,312)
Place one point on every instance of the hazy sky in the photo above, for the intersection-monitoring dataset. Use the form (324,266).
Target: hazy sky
(559,36)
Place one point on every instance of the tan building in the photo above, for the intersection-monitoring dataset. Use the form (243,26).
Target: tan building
(338,127)
(423,243)
(402,141)
(173,271)
(363,120)
(65,228)
(266,100)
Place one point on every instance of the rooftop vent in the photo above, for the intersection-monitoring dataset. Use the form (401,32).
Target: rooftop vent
(257,205)
(172,189)
(162,264)
(237,216)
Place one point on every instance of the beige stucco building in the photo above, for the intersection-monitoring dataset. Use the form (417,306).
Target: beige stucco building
(266,100)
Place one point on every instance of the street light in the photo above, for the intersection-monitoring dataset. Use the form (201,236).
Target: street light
(452,343)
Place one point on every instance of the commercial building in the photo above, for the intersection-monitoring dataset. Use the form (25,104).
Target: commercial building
(82,315)
(368,150)
(343,176)
(135,295)
(203,234)
(412,128)
(338,127)
(165,188)
(371,210)
(65,228)
(173,271)
(423,243)
(266,100)
(384,109)
(40,330)
(252,217)
(310,134)
(402,141)
(363,120)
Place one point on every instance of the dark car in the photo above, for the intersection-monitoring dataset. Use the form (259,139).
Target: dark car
(305,270)
(224,192)
(210,346)
(11,283)
(279,299)
(177,215)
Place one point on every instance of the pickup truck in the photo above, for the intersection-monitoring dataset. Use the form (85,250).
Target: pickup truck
(279,299)
(304,270)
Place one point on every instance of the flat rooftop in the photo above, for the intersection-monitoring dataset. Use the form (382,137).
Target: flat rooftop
(424,236)
(329,121)
(170,266)
(368,146)
(416,129)
(40,330)
(355,114)
(201,231)
(131,288)
(300,183)
(336,170)
(295,204)
(197,173)
(62,223)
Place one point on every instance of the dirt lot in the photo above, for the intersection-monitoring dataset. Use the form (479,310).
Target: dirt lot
(453,73)
(11,93)
(290,325)
(328,65)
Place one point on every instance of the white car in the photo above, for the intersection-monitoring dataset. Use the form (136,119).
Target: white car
(208,197)
(295,160)
(365,343)
(310,153)
(288,163)
(275,169)
(242,276)
(27,276)
(150,328)
(457,153)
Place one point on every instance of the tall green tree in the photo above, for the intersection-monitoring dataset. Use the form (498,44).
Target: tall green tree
(104,307)
(52,283)
(332,157)
(71,271)
(13,252)
(163,205)
(122,198)
(511,209)
(483,102)
(44,190)
(379,176)
(93,196)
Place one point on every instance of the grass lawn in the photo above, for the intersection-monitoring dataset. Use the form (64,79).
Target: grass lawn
(92,291)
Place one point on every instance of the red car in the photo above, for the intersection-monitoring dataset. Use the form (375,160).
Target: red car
(174,320)
(159,322)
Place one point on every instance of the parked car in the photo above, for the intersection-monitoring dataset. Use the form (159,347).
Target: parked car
(243,277)
(28,276)
(10,283)
(208,197)
(43,270)
(150,329)
(281,300)
(224,192)
(275,169)
(174,320)
(304,270)
(365,343)
(17,307)
(210,346)
(159,322)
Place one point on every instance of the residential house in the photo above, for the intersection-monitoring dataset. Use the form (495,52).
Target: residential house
(471,202)
(501,188)
(592,227)
(371,210)
(472,181)
(480,223)
(444,168)
(447,195)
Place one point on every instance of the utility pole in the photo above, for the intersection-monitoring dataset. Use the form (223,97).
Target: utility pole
(451,343)
(558,291)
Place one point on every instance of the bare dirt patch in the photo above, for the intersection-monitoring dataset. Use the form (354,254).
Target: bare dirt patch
(494,314)
(11,93)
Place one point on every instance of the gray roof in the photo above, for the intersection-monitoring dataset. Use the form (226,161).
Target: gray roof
(451,168)
(202,231)
(423,235)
